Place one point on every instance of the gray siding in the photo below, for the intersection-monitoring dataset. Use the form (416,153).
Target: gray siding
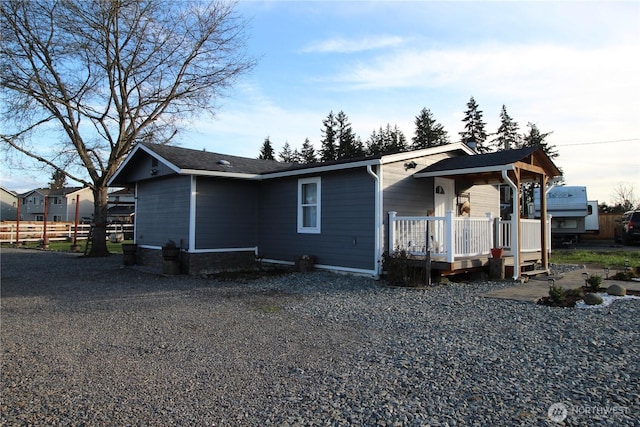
(226,213)
(483,199)
(162,211)
(347,221)
(405,194)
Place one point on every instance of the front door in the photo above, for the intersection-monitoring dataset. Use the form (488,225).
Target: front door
(444,196)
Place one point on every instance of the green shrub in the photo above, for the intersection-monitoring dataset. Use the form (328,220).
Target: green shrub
(594,282)
(401,270)
(577,292)
(557,294)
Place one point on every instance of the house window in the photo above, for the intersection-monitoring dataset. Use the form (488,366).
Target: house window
(57,218)
(57,201)
(39,217)
(309,205)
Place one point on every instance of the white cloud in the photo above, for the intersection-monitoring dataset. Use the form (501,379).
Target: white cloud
(342,45)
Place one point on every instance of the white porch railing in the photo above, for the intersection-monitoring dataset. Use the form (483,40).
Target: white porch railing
(451,237)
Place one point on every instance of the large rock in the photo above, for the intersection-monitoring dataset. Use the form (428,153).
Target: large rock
(592,299)
(617,290)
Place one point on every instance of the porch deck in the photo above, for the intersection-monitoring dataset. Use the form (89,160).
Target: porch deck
(463,244)
(467,264)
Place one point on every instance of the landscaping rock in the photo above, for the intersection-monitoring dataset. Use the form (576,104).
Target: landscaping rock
(592,299)
(617,290)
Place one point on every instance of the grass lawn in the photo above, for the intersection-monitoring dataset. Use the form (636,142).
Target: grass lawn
(63,246)
(612,259)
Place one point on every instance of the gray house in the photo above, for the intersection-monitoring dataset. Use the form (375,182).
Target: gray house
(60,204)
(223,211)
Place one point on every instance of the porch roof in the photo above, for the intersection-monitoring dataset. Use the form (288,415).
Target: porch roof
(531,162)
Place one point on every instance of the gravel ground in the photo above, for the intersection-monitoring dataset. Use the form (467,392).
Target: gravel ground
(89,342)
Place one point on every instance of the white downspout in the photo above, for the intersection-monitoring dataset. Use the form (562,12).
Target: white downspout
(378,222)
(515,232)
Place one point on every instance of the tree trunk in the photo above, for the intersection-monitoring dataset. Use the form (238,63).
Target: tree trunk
(99,243)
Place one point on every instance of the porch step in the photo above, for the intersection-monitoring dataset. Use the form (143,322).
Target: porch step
(526,269)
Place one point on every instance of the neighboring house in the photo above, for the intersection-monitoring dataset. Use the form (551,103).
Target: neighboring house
(60,206)
(121,206)
(8,204)
(225,210)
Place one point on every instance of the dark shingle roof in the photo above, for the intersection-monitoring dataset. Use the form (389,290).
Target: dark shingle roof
(498,158)
(185,158)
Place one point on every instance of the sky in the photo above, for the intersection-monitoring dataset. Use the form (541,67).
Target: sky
(571,68)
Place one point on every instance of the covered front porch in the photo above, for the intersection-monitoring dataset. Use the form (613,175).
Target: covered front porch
(457,244)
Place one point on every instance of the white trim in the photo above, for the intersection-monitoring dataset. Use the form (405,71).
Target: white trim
(253,249)
(318,204)
(332,268)
(498,168)
(398,157)
(135,213)
(378,221)
(198,172)
(319,169)
(192,213)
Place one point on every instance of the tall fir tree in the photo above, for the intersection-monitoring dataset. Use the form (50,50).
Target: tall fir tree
(328,150)
(507,135)
(535,138)
(375,144)
(266,152)
(396,142)
(347,147)
(308,153)
(387,140)
(474,127)
(428,133)
(287,154)
(58,180)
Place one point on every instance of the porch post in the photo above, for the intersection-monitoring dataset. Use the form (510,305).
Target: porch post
(449,227)
(543,222)
(392,230)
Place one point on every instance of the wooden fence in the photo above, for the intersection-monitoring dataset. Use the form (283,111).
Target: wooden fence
(607,224)
(33,231)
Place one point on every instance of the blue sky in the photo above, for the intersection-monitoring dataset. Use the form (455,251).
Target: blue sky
(569,67)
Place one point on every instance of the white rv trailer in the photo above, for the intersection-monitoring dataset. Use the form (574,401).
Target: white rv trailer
(572,214)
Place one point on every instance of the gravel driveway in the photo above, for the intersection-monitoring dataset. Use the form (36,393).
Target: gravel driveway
(89,342)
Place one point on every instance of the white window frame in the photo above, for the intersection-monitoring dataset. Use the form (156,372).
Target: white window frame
(317,204)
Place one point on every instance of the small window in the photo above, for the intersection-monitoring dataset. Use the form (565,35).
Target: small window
(309,205)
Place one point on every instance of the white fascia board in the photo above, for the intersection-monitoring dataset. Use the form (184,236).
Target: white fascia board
(463,171)
(149,152)
(197,172)
(399,157)
(320,169)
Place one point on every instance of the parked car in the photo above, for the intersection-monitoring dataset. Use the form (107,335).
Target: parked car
(628,227)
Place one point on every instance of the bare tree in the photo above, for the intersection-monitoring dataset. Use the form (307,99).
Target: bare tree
(97,77)
(624,197)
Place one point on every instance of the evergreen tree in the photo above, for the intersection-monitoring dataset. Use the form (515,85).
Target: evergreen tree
(58,180)
(328,151)
(535,138)
(286,155)
(386,141)
(266,152)
(474,127)
(308,153)
(429,133)
(346,140)
(396,142)
(508,136)
(375,144)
